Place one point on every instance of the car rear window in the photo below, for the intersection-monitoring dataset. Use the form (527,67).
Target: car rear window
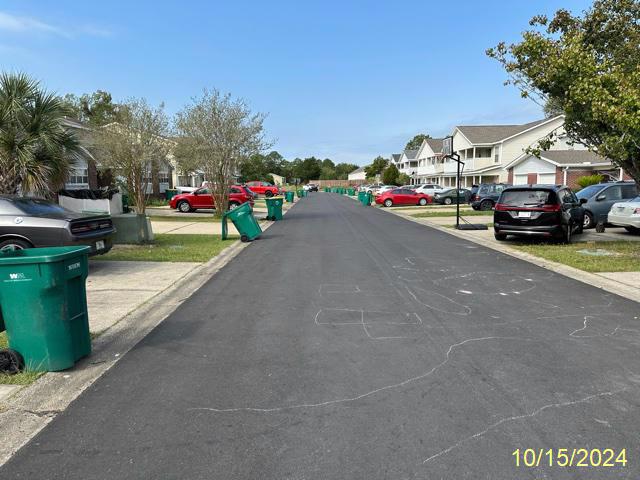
(527,198)
(37,207)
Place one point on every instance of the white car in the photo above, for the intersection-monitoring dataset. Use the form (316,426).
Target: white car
(429,188)
(626,214)
(383,188)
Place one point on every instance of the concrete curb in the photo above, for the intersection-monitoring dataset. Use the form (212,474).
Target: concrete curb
(589,278)
(29,409)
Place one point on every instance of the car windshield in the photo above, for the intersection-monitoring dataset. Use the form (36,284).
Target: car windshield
(589,191)
(526,198)
(37,207)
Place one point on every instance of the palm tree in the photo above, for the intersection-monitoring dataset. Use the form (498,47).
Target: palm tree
(36,149)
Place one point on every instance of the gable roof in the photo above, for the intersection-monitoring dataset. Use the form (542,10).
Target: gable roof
(565,158)
(435,144)
(572,157)
(395,157)
(410,154)
(495,133)
(358,170)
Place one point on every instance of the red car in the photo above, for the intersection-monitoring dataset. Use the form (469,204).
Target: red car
(201,198)
(402,196)
(263,188)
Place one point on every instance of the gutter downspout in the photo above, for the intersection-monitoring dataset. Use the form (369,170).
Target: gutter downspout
(564,175)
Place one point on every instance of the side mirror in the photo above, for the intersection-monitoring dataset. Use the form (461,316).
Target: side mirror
(583,201)
(599,198)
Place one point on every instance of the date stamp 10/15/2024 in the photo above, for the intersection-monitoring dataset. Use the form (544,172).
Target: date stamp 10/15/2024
(570,457)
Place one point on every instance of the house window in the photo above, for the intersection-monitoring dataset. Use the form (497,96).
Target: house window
(163,177)
(483,152)
(496,155)
(78,176)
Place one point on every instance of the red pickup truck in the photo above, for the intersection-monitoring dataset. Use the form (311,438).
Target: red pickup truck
(263,188)
(201,198)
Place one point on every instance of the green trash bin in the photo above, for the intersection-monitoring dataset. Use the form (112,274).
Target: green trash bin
(305,193)
(360,196)
(289,196)
(351,192)
(299,193)
(366,200)
(274,208)
(244,221)
(169,193)
(44,305)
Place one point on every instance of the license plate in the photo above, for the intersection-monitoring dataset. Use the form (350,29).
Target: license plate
(524,214)
(100,245)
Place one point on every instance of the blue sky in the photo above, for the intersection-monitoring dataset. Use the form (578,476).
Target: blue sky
(345,79)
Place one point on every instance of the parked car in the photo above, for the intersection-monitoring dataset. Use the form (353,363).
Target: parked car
(402,196)
(373,187)
(202,199)
(311,187)
(551,211)
(449,196)
(487,195)
(263,188)
(429,188)
(34,222)
(627,215)
(601,197)
(383,188)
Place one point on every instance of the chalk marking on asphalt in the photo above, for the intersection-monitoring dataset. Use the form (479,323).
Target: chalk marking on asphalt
(364,324)
(363,395)
(521,417)
(467,309)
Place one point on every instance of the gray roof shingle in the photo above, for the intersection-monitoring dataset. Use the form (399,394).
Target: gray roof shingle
(435,144)
(411,154)
(568,157)
(495,133)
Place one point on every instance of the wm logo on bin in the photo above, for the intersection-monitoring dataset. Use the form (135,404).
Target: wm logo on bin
(16,276)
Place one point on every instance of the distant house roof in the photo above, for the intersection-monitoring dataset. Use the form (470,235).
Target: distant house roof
(435,144)
(395,157)
(572,157)
(566,158)
(496,133)
(411,154)
(358,170)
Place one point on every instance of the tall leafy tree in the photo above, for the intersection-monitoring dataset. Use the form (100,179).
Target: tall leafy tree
(587,67)
(95,108)
(217,133)
(390,175)
(36,149)
(134,145)
(377,166)
(416,141)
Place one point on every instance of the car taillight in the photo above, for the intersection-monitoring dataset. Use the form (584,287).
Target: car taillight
(80,228)
(501,207)
(636,211)
(551,208)
(475,198)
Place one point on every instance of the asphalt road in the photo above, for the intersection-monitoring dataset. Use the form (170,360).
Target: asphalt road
(348,343)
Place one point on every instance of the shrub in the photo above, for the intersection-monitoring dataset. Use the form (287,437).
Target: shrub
(587,180)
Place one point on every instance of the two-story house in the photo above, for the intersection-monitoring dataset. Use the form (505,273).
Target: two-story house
(430,165)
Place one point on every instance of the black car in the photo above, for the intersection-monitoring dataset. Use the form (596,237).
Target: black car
(312,187)
(487,195)
(33,222)
(538,210)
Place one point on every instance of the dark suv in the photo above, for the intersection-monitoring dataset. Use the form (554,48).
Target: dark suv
(599,199)
(487,195)
(538,210)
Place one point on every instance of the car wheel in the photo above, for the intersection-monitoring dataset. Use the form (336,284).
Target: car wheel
(268,194)
(501,237)
(14,244)
(486,205)
(233,205)
(388,202)
(567,235)
(448,201)
(422,202)
(588,220)
(634,230)
(184,206)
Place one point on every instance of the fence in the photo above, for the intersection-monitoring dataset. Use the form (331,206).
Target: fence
(336,183)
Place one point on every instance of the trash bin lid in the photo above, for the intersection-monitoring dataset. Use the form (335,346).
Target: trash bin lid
(41,255)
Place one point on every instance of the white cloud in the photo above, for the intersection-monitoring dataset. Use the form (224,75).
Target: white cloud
(20,24)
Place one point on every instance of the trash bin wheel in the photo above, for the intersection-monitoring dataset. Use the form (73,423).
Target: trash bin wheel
(11,362)
(244,238)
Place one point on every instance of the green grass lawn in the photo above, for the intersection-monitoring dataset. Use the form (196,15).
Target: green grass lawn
(464,213)
(171,248)
(23,378)
(623,256)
